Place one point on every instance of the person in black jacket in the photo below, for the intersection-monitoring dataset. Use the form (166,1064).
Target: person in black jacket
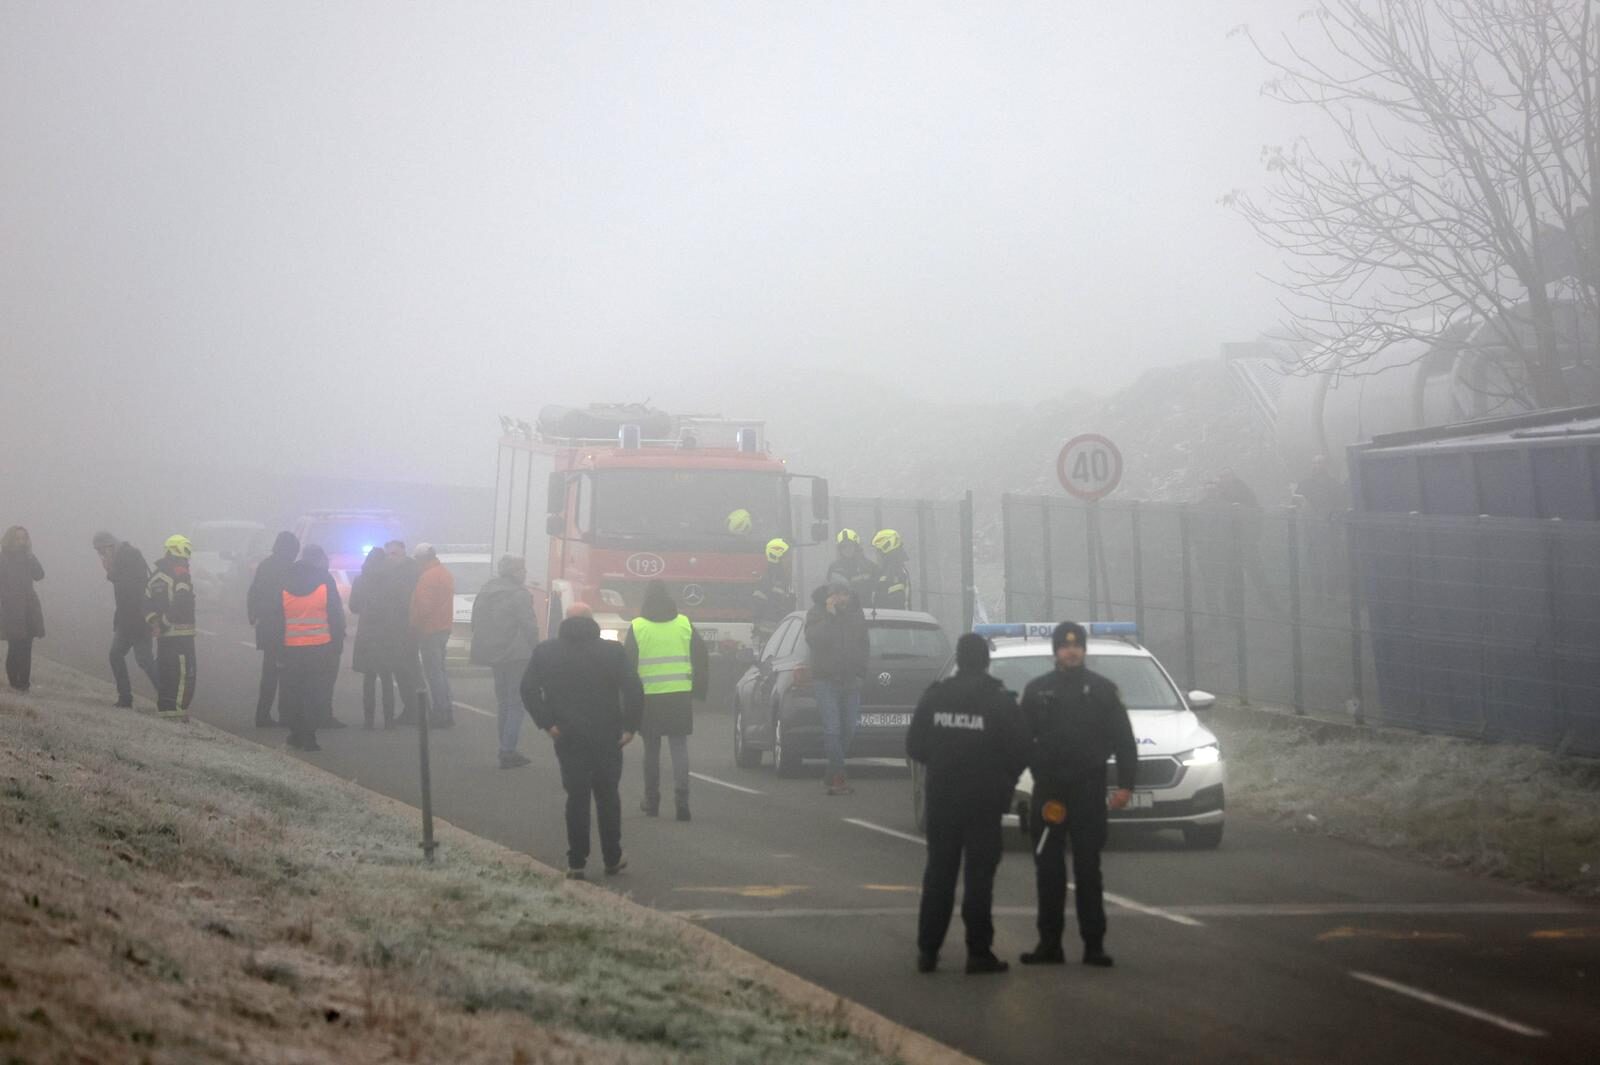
(367,659)
(581,690)
(1078,722)
(21,613)
(504,634)
(390,609)
(970,736)
(264,610)
(840,648)
(128,573)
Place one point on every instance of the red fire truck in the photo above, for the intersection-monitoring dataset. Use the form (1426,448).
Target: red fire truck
(632,494)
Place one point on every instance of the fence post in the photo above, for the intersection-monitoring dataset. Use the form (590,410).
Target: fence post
(1357,671)
(1005,555)
(1091,529)
(1236,584)
(1049,566)
(1482,612)
(1551,534)
(428,845)
(1188,593)
(969,580)
(1138,576)
(499,465)
(1294,610)
(922,552)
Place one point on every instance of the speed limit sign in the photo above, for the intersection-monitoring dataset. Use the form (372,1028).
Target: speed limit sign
(1089,466)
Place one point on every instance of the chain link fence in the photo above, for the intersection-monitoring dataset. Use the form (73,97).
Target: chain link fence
(1475,627)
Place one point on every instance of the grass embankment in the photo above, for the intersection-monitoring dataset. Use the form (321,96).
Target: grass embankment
(1512,812)
(170,893)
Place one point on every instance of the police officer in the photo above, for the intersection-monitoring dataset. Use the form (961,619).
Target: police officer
(893,591)
(970,735)
(1077,721)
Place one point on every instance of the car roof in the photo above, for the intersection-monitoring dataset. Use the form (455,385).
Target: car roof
(463,556)
(881,614)
(1016,647)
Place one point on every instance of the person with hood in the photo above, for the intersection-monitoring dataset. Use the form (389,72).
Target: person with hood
(368,658)
(1078,723)
(21,612)
(675,669)
(836,633)
(504,634)
(263,609)
(390,609)
(128,573)
(581,690)
(969,735)
(312,638)
(169,613)
(893,588)
(433,614)
(853,567)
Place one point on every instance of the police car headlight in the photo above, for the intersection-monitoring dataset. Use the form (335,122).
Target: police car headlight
(1210,754)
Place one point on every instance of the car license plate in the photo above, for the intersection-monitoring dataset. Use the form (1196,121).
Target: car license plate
(885,720)
(1142,800)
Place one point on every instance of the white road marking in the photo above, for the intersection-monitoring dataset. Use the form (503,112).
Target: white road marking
(204,632)
(725,784)
(1116,900)
(248,643)
(1356,909)
(1450,1004)
(476,710)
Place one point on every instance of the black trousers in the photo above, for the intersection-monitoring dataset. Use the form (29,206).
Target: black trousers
(591,769)
(271,665)
(966,836)
(175,674)
(370,685)
(139,644)
(1085,833)
(19,663)
(302,678)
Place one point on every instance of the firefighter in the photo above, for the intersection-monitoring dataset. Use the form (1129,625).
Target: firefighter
(774,592)
(970,735)
(312,641)
(675,669)
(169,612)
(893,587)
(1078,722)
(853,567)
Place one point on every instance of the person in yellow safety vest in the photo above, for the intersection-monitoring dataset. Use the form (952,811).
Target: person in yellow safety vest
(675,669)
(774,592)
(313,643)
(893,590)
(169,611)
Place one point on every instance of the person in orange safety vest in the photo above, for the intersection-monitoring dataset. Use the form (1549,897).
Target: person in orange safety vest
(313,643)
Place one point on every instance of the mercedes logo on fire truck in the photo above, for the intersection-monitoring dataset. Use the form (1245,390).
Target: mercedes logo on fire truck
(693,595)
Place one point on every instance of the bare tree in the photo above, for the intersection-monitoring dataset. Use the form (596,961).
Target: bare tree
(1463,188)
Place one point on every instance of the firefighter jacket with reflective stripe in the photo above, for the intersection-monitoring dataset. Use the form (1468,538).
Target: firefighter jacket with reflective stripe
(305,619)
(664,662)
(169,597)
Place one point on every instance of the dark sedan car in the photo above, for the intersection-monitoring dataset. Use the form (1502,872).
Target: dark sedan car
(775,708)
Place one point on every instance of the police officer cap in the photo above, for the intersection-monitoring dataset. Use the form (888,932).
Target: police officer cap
(972,652)
(1068,631)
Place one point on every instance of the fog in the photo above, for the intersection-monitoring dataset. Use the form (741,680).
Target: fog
(340,239)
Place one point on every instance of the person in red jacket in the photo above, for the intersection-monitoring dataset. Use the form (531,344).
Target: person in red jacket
(432,615)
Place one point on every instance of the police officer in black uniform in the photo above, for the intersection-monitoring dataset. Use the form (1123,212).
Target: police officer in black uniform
(970,735)
(1078,721)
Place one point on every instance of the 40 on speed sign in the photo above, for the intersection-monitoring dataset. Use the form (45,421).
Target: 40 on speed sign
(1089,466)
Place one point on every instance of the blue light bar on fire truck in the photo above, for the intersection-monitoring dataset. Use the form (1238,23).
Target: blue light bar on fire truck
(1041,630)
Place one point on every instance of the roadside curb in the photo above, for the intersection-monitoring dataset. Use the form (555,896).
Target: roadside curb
(889,1037)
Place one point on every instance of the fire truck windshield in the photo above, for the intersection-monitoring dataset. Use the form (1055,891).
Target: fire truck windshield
(689,509)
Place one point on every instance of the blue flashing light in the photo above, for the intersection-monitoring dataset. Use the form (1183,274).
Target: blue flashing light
(1041,630)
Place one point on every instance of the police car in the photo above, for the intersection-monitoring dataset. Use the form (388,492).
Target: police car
(1181,771)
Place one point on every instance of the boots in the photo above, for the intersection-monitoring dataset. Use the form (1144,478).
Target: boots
(837,785)
(682,799)
(1094,953)
(651,806)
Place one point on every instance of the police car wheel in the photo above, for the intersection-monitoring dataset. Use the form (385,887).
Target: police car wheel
(1202,837)
(785,759)
(744,755)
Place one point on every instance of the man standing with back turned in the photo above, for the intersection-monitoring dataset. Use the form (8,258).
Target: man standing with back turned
(128,573)
(1078,721)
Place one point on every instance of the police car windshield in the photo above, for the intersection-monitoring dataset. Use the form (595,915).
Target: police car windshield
(470,577)
(688,508)
(1143,685)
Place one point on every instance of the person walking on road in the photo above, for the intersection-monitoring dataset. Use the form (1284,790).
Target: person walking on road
(1077,722)
(391,609)
(504,634)
(367,658)
(433,614)
(263,609)
(581,690)
(675,669)
(312,641)
(836,632)
(169,614)
(970,736)
(853,567)
(128,573)
(21,612)
(893,588)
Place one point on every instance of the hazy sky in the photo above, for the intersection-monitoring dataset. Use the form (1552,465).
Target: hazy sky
(344,236)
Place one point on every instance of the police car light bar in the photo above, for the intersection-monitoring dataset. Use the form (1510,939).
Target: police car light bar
(1041,630)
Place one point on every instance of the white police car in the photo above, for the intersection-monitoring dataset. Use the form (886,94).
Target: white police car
(1180,779)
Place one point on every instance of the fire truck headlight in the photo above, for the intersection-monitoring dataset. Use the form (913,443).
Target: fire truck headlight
(611,634)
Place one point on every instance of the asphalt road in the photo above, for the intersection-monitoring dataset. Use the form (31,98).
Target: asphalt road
(1275,948)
